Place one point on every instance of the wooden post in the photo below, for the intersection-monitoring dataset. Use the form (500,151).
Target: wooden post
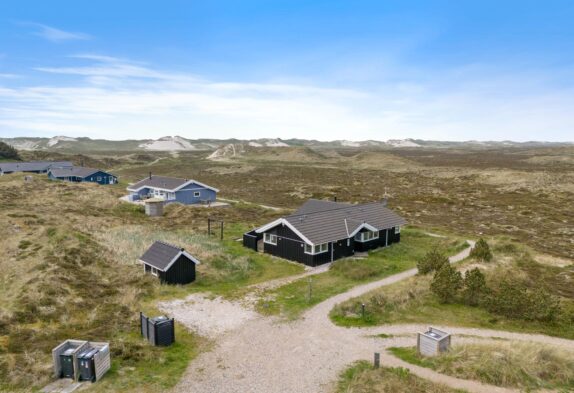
(310,281)
(208,227)
(363,310)
(377,359)
(221,229)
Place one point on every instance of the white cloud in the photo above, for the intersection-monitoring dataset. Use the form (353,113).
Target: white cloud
(56,35)
(118,99)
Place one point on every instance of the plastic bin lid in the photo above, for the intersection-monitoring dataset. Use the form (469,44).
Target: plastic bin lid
(68,352)
(161,318)
(88,353)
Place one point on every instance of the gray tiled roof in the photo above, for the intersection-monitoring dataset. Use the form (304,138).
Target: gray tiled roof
(33,166)
(327,225)
(160,254)
(168,183)
(77,171)
(317,205)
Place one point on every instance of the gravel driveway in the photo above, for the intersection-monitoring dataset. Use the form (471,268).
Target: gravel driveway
(265,355)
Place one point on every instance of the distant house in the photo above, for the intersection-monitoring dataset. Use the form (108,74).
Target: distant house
(172,189)
(82,174)
(322,231)
(171,264)
(32,166)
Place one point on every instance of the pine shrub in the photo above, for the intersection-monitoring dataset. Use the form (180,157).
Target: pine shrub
(432,262)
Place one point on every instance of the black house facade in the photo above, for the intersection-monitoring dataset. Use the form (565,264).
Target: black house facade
(321,231)
(171,264)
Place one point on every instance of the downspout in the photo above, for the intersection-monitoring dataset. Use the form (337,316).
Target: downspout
(332,250)
(386,237)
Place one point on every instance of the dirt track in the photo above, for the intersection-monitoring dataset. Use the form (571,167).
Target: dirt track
(268,356)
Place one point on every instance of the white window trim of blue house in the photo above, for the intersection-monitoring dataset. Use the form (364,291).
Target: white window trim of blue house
(270,238)
(363,237)
(196,194)
(316,249)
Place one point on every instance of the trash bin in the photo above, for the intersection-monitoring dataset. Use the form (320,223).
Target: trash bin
(67,363)
(87,368)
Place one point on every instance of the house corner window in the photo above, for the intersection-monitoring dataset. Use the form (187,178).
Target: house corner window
(397,229)
(363,237)
(196,194)
(154,271)
(316,249)
(270,238)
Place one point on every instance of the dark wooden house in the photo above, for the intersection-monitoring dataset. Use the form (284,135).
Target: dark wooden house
(171,264)
(322,231)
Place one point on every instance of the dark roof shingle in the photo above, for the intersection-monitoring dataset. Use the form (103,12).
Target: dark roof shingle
(78,171)
(160,254)
(323,222)
(33,166)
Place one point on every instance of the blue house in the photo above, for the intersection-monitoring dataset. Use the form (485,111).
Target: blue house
(172,189)
(82,174)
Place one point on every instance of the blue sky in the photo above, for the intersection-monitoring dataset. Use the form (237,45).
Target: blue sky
(325,70)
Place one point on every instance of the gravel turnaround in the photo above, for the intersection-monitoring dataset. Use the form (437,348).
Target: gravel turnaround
(265,355)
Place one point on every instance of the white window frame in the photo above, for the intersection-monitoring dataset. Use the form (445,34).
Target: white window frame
(316,249)
(196,194)
(270,238)
(99,178)
(154,271)
(397,229)
(370,236)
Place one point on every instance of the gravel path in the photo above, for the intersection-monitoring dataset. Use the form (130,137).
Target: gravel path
(265,355)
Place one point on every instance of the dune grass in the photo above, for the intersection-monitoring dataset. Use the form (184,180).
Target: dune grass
(361,377)
(292,299)
(522,365)
(411,300)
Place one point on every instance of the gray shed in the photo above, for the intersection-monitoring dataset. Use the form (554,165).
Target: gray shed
(154,207)
(66,359)
(433,342)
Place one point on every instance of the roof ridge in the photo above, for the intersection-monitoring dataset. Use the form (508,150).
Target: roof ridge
(169,244)
(352,206)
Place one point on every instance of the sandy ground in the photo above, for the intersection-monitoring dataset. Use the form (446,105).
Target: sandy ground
(269,356)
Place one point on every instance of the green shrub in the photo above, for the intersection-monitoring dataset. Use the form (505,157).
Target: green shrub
(8,152)
(446,283)
(475,288)
(514,300)
(432,261)
(481,251)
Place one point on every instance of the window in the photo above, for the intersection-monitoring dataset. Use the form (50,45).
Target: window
(317,249)
(270,238)
(196,194)
(366,236)
(99,178)
(397,229)
(154,271)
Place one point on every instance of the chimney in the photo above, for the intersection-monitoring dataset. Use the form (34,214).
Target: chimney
(384,201)
(335,198)
(150,175)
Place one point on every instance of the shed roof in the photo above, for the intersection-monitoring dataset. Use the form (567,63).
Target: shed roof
(166,183)
(323,221)
(162,255)
(78,171)
(33,166)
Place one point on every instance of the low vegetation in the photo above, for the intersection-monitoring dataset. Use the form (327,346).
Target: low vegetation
(292,299)
(361,377)
(70,271)
(513,292)
(7,152)
(525,366)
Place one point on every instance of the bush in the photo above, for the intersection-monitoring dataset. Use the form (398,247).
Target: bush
(432,261)
(446,283)
(475,288)
(513,300)
(8,152)
(481,251)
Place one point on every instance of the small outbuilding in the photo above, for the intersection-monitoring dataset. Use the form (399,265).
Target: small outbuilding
(81,360)
(433,342)
(171,264)
(154,207)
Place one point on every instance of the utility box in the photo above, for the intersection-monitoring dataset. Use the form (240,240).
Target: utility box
(433,342)
(81,360)
(154,207)
(159,331)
